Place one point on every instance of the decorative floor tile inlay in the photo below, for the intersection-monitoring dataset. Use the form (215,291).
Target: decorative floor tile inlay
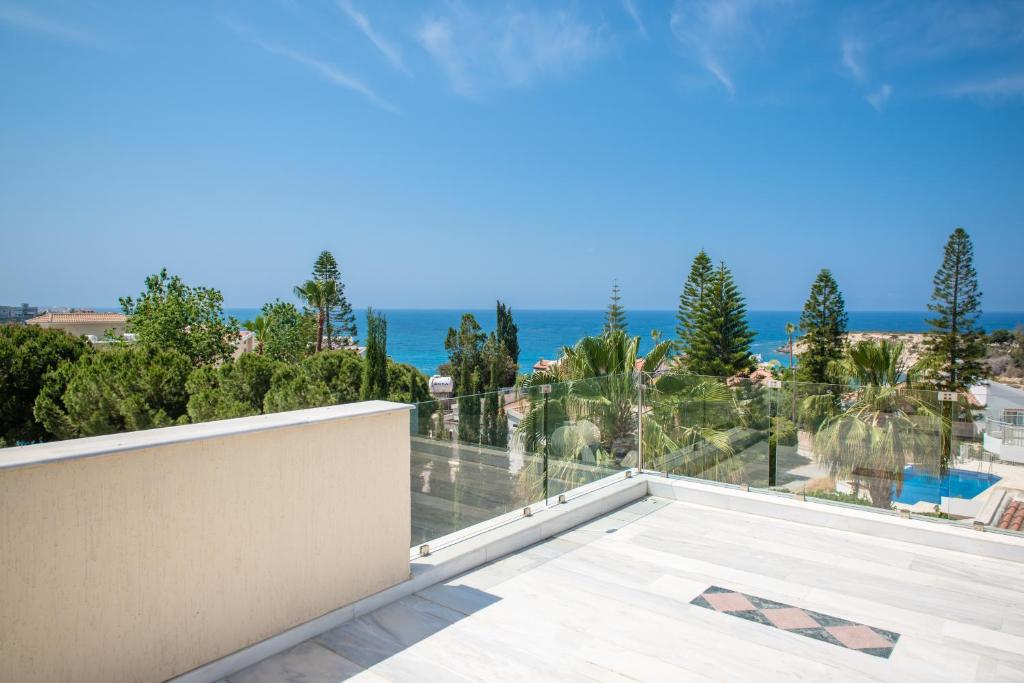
(848,634)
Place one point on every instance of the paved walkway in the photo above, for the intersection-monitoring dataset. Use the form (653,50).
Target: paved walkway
(653,591)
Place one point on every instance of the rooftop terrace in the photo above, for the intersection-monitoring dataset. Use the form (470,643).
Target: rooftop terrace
(664,590)
(628,528)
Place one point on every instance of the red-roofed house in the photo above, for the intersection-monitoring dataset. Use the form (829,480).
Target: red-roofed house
(82,322)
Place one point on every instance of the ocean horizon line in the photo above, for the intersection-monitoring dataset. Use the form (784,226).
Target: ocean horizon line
(565,310)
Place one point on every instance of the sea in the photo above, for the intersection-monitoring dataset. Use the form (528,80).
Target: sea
(416,336)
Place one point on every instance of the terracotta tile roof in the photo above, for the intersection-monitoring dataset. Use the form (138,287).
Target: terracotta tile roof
(1013,516)
(77,317)
(544,364)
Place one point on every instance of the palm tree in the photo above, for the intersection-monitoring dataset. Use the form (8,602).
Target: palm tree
(595,380)
(260,327)
(319,296)
(593,420)
(692,416)
(588,424)
(883,425)
(874,363)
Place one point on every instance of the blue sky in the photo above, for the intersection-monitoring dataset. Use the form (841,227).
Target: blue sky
(452,153)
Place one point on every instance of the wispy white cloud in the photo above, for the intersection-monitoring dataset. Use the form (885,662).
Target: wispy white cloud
(920,39)
(329,72)
(923,30)
(631,9)
(879,98)
(512,48)
(719,72)
(362,22)
(994,88)
(28,20)
(712,29)
(853,58)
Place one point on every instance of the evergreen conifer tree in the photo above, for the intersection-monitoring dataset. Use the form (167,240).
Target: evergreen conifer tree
(823,322)
(340,317)
(615,316)
(690,300)
(465,348)
(508,338)
(375,367)
(955,343)
(720,338)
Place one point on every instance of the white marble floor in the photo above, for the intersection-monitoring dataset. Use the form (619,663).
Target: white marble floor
(609,601)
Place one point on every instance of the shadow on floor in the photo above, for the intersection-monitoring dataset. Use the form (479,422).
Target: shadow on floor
(349,649)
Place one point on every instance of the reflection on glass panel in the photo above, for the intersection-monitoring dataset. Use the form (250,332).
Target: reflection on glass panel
(581,431)
(875,446)
(885,448)
(708,428)
(477,457)
(462,470)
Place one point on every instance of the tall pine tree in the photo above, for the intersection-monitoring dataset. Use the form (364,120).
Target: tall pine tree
(824,324)
(615,316)
(375,365)
(720,338)
(955,343)
(690,300)
(341,319)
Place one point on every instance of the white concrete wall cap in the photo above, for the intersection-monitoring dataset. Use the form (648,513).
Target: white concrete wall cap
(73,449)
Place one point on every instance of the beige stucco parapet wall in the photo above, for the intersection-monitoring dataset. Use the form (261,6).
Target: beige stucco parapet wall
(137,557)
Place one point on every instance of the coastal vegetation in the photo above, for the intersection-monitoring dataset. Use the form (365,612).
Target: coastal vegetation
(375,365)
(955,345)
(27,355)
(480,362)
(185,364)
(185,367)
(882,426)
(823,323)
(172,315)
(615,315)
(712,335)
(581,412)
(340,321)
(690,301)
(283,332)
(318,296)
(507,333)
(126,388)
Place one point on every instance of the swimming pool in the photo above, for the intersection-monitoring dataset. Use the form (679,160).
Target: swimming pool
(920,485)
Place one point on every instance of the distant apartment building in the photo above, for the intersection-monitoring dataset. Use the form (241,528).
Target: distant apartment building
(88,323)
(17,314)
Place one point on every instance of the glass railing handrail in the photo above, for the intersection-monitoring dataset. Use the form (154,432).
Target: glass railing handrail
(885,448)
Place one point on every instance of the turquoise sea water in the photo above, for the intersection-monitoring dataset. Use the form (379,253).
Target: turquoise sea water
(417,336)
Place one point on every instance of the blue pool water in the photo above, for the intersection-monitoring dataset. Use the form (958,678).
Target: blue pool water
(920,485)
